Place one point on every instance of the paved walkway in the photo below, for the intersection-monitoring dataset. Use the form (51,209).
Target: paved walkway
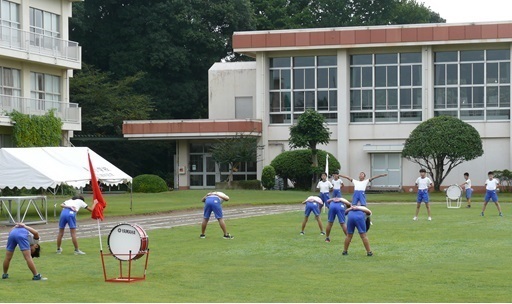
(89,228)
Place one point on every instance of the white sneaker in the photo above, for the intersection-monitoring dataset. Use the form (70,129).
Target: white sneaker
(429,218)
(59,251)
(78,252)
(415,218)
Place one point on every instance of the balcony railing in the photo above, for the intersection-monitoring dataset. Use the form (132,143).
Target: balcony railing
(30,42)
(67,112)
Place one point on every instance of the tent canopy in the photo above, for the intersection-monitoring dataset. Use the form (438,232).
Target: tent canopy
(49,167)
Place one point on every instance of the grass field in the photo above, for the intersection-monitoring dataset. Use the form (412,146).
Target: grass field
(142,203)
(458,257)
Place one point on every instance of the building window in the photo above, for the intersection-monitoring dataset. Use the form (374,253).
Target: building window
(44,28)
(301,83)
(10,15)
(44,90)
(10,82)
(241,171)
(472,85)
(10,23)
(385,87)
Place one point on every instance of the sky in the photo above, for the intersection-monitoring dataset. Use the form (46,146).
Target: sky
(460,11)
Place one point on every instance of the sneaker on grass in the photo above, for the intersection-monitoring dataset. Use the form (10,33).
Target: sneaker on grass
(5,276)
(202,236)
(327,240)
(79,252)
(59,251)
(38,277)
(228,236)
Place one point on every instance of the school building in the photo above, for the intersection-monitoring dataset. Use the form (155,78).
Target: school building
(36,61)
(373,84)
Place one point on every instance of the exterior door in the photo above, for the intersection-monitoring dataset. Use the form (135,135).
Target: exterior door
(387,163)
(202,171)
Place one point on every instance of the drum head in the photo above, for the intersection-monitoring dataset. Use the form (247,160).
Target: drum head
(454,192)
(126,239)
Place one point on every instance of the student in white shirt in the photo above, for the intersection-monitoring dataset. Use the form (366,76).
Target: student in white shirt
(491,185)
(423,183)
(467,187)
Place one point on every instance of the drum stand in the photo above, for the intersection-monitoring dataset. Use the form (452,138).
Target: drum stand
(122,278)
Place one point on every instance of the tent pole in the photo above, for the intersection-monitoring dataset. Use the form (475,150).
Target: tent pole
(131,197)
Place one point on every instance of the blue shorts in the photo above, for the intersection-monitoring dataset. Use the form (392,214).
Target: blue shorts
(312,207)
(422,196)
(469,193)
(491,194)
(67,216)
(212,204)
(359,196)
(18,236)
(336,209)
(356,219)
(325,197)
(336,193)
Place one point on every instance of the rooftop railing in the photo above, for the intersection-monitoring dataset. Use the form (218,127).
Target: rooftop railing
(36,43)
(67,112)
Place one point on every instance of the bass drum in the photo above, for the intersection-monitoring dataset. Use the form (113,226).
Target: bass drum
(127,241)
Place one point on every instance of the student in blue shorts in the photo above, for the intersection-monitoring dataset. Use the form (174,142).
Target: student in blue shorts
(356,218)
(324,186)
(28,239)
(337,208)
(337,184)
(468,189)
(423,183)
(312,205)
(491,185)
(359,196)
(68,214)
(213,203)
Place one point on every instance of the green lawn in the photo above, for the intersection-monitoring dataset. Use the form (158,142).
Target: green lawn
(458,257)
(142,203)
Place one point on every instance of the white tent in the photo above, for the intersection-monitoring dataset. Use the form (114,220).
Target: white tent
(49,167)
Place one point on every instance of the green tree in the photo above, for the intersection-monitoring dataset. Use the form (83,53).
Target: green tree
(106,102)
(284,14)
(296,165)
(234,150)
(440,144)
(173,42)
(310,131)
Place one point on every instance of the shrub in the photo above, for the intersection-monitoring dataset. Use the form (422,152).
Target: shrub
(253,184)
(149,183)
(296,165)
(268,177)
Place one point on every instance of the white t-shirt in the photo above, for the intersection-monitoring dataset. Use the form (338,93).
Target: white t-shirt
(337,183)
(360,185)
(77,204)
(324,186)
(491,184)
(423,183)
(467,184)
(314,199)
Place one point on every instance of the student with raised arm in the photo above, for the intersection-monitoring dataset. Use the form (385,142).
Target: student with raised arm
(359,196)
(324,186)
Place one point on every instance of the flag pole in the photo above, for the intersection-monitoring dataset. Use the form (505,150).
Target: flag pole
(99,234)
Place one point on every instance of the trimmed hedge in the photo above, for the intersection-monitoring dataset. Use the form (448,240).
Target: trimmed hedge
(268,177)
(149,183)
(253,184)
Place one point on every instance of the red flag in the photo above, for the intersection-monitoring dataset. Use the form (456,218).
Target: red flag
(97,212)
